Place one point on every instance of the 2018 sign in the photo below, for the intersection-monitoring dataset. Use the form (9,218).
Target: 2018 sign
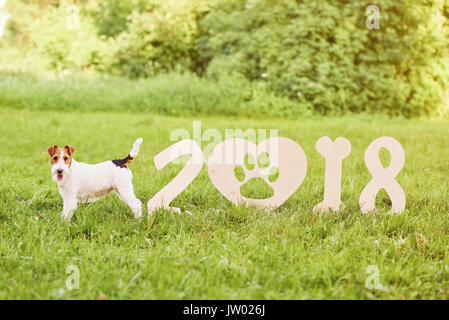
(290,160)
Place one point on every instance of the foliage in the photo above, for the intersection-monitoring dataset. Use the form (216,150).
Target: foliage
(321,53)
(47,44)
(111,16)
(317,54)
(161,38)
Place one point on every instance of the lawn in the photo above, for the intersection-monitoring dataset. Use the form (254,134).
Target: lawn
(220,251)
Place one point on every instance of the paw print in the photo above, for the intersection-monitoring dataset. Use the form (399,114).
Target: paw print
(256,177)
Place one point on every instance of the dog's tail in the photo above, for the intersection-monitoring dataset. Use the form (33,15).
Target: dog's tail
(136,147)
(123,163)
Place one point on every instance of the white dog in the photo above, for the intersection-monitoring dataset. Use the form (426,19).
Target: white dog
(82,182)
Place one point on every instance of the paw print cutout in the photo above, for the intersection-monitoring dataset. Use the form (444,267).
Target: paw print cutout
(281,164)
(256,177)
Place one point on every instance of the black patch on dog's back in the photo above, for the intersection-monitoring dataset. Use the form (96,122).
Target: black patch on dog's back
(123,163)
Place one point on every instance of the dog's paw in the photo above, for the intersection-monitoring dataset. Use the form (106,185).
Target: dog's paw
(138,210)
(256,177)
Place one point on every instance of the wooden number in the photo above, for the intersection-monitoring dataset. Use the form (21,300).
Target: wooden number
(184,178)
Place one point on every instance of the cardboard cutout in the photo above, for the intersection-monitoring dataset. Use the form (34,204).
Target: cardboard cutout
(333,153)
(285,154)
(192,168)
(383,177)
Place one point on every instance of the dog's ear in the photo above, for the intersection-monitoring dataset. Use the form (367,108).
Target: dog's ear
(70,150)
(52,150)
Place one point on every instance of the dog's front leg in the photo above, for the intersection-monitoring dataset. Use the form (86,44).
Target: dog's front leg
(70,205)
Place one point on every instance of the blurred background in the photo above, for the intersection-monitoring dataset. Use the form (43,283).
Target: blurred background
(281,58)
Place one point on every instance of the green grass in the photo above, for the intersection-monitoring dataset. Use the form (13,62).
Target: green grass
(220,251)
(168,94)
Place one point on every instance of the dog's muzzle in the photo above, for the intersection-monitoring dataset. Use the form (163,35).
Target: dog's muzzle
(60,174)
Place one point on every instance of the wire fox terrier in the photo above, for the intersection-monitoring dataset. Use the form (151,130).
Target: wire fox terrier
(80,182)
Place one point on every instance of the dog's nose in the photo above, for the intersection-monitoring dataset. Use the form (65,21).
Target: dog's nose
(59,171)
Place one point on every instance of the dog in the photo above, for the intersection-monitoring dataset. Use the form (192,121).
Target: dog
(80,182)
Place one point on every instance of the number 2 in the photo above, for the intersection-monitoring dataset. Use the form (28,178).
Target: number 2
(184,178)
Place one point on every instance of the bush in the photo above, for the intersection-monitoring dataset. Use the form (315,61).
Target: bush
(161,38)
(40,41)
(111,16)
(306,55)
(322,55)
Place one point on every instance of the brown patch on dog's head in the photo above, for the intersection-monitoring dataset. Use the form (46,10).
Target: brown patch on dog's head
(55,154)
(69,150)
(52,150)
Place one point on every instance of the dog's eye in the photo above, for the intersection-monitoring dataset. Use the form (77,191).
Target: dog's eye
(55,158)
(66,158)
